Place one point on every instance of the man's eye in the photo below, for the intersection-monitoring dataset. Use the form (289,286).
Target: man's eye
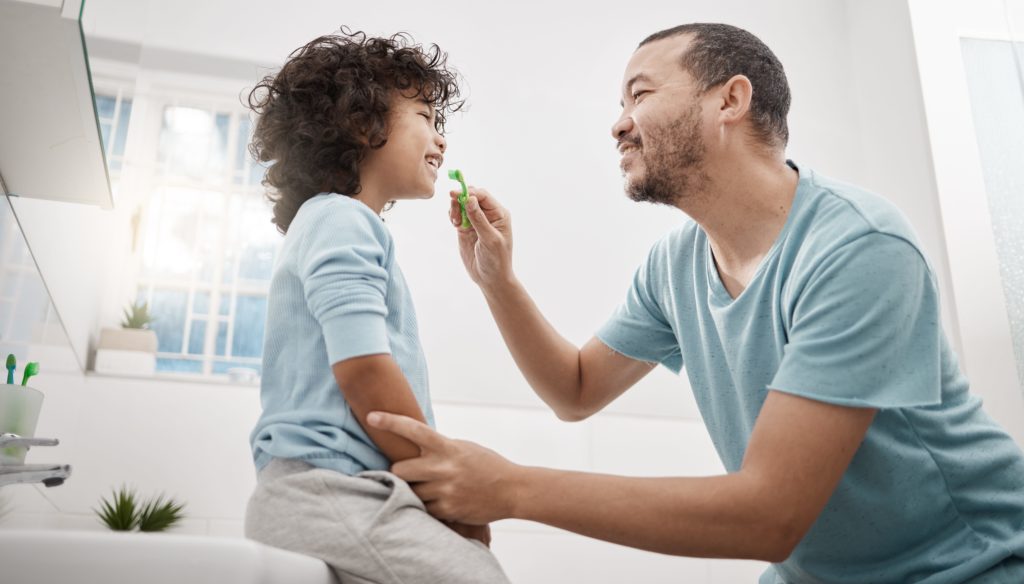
(637,95)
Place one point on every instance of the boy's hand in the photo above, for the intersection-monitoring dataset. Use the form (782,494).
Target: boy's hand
(486,246)
(481,533)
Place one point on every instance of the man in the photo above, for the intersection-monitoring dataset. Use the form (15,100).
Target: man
(808,324)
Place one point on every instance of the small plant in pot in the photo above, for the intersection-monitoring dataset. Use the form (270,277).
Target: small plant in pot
(124,511)
(130,350)
(136,316)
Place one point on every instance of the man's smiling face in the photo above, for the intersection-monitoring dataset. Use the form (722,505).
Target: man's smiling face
(660,132)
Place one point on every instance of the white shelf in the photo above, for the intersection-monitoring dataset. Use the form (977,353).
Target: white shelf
(51,147)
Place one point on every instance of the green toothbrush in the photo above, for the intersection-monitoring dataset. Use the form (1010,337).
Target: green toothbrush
(464,197)
(11,364)
(31,369)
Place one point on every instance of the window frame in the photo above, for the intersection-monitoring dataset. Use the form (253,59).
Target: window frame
(988,354)
(144,175)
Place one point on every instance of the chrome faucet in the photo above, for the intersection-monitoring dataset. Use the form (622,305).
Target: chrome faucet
(50,475)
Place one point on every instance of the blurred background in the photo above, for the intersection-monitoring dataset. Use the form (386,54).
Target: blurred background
(920,101)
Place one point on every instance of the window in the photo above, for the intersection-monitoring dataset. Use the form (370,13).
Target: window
(207,244)
(996,85)
(114,112)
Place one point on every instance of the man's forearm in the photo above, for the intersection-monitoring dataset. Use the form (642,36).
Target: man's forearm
(719,516)
(549,362)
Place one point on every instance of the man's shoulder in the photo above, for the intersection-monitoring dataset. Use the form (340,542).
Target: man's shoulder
(680,235)
(676,246)
(847,209)
(837,216)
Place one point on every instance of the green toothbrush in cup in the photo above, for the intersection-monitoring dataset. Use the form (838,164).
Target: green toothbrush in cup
(21,406)
(30,370)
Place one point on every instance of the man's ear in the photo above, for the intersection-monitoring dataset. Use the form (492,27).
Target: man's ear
(736,94)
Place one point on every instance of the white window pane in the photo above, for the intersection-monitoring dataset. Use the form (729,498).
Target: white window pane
(167,309)
(193,143)
(166,365)
(105,105)
(123,118)
(196,337)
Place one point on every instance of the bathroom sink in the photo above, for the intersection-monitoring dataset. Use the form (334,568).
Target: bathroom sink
(49,556)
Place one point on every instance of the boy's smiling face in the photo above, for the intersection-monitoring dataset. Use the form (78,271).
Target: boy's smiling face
(407,166)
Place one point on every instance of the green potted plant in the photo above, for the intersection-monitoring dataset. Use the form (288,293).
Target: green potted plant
(131,349)
(124,511)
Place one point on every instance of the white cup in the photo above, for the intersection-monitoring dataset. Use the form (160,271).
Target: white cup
(19,413)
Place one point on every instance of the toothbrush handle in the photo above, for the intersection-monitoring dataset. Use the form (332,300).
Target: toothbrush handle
(463,199)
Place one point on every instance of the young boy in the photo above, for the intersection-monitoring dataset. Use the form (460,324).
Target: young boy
(351,124)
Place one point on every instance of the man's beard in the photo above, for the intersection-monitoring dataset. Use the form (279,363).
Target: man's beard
(673,160)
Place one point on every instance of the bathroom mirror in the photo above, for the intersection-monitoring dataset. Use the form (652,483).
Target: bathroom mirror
(30,328)
(53,176)
(51,147)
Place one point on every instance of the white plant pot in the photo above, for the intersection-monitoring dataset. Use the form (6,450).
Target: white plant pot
(126,352)
(128,339)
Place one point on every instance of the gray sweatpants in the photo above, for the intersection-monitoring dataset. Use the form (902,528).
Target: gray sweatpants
(369,528)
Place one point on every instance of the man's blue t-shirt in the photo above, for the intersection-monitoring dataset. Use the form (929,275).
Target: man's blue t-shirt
(844,309)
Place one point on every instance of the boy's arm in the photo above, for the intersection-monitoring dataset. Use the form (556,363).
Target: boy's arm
(375,382)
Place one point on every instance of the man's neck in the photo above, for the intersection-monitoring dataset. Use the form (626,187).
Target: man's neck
(743,210)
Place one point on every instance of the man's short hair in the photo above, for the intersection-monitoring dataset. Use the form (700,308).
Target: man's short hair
(717,52)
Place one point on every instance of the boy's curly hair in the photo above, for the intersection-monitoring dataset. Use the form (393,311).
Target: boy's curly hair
(328,107)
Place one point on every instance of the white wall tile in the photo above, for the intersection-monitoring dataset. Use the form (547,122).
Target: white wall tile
(22,498)
(187,440)
(638,446)
(560,558)
(62,521)
(527,436)
(227,527)
(661,393)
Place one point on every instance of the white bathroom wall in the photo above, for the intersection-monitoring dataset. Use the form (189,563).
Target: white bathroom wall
(543,96)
